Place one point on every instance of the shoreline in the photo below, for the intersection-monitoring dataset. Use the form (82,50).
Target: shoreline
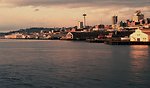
(107,42)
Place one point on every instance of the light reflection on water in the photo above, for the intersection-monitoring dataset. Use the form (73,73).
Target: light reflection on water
(139,64)
(139,55)
(66,64)
(139,51)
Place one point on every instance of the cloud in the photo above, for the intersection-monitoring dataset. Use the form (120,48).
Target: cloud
(36,10)
(31,12)
(79,3)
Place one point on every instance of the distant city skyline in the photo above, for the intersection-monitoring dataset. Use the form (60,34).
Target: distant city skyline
(17,14)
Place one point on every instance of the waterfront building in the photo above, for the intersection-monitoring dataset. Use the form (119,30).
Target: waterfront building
(139,36)
(15,36)
(73,29)
(146,31)
(108,27)
(120,34)
(32,36)
(83,35)
(146,26)
(98,27)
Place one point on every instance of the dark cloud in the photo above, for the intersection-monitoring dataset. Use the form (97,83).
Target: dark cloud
(36,10)
(79,3)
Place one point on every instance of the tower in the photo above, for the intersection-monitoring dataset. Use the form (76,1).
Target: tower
(84,15)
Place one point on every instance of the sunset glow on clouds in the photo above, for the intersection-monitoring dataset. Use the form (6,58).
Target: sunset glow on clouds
(16,14)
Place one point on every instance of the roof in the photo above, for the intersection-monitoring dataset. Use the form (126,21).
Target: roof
(86,35)
(122,33)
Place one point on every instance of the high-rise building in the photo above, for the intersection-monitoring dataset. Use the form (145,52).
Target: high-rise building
(80,25)
(148,20)
(123,24)
(138,16)
(115,20)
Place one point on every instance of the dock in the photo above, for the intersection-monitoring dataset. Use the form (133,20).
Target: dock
(95,40)
(126,43)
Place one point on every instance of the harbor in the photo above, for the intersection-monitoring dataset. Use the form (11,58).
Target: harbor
(71,64)
(74,43)
(133,31)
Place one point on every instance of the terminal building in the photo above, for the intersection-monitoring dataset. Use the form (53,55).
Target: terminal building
(139,36)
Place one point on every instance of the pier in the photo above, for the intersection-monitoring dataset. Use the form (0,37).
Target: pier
(126,43)
(95,40)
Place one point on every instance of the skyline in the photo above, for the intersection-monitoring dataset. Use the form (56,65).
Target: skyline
(16,14)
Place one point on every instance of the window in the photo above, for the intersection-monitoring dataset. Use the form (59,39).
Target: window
(144,39)
(138,34)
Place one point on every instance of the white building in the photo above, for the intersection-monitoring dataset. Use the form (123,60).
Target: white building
(15,36)
(139,36)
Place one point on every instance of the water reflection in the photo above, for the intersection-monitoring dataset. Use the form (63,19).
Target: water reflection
(139,62)
(139,51)
(139,56)
(67,64)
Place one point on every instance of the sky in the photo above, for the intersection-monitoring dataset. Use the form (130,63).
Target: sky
(18,14)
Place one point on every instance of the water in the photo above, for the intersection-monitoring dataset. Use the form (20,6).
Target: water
(68,64)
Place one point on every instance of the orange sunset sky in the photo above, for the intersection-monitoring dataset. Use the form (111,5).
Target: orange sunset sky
(17,14)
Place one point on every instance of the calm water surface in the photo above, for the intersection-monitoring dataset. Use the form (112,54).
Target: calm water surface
(67,64)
